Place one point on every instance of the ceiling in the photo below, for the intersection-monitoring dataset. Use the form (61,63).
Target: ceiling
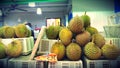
(10,6)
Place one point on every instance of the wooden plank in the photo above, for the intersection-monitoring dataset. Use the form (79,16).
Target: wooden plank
(37,42)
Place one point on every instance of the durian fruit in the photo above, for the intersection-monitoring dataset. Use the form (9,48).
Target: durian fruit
(92,30)
(92,51)
(21,30)
(83,38)
(8,32)
(110,51)
(59,49)
(65,36)
(76,24)
(73,51)
(86,20)
(14,49)
(52,32)
(2,50)
(99,40)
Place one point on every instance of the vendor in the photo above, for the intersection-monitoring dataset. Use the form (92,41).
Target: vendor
(29,26)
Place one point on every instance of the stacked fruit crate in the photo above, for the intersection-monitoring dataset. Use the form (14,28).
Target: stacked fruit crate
(15,41)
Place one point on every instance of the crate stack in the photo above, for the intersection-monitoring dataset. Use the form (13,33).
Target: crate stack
(7,36)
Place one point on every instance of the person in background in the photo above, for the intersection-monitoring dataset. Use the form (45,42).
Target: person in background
(29,26)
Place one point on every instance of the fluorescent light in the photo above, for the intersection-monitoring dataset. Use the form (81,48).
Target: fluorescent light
(39,11)
(31,4)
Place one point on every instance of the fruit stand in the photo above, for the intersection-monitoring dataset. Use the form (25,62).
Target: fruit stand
(73,46)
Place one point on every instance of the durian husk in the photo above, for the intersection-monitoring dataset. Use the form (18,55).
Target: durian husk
(52,32)
(21,31)
(92,51)
(110,51)
(8,32)
(92,30)
(59,49)
(14,49)
(99,40)
(76,24)
(65,36)
(86,20)
(83,38)
(73,51)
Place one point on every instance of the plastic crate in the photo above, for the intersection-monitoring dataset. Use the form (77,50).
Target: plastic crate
(112,31)
(28,44)
(101,63)
(45,46)
(4,62)
(24,62)
(66,64)
(115,41)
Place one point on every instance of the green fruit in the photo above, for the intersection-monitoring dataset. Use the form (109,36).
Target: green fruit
(2,50)
(59,49)
(52,32)
(92,30)
(8,32)
(21,30)
(110,51)
(92,51)
(76,24)
(14,49)
(83,38)
(65,36)
(73,51)
(86,20)
(99,40)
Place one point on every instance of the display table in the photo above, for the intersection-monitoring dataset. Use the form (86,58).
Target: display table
(24,62)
